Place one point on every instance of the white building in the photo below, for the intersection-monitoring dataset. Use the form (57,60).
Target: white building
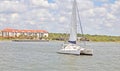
(8,32)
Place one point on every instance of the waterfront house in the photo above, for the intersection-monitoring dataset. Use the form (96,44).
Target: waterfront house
(9,32)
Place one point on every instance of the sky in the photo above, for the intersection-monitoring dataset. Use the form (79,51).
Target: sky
(98,17)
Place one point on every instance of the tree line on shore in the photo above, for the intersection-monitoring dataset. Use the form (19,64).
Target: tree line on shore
(86,37)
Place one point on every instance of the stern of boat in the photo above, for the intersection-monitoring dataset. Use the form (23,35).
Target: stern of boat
(86,52)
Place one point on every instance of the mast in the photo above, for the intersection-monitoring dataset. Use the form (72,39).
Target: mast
(73,25)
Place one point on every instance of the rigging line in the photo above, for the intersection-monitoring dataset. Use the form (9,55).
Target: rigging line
(80,23)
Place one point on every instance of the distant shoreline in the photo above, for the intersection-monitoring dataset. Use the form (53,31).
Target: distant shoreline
(85,37)
(64,37)
(63,41)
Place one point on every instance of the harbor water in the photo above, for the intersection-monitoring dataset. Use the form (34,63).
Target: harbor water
(42,56)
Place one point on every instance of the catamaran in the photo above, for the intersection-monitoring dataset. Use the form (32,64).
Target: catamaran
(71,47)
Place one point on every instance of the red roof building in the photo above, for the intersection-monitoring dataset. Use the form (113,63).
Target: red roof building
(21,31)
(9,32)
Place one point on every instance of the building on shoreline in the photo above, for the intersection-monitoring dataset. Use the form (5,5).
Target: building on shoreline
(14,33)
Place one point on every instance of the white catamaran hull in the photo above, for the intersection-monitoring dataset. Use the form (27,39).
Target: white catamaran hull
(86,52)
(75,50)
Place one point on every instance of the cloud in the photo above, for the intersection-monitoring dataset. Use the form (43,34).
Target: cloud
(55,15)
(43,4)
(8,6)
